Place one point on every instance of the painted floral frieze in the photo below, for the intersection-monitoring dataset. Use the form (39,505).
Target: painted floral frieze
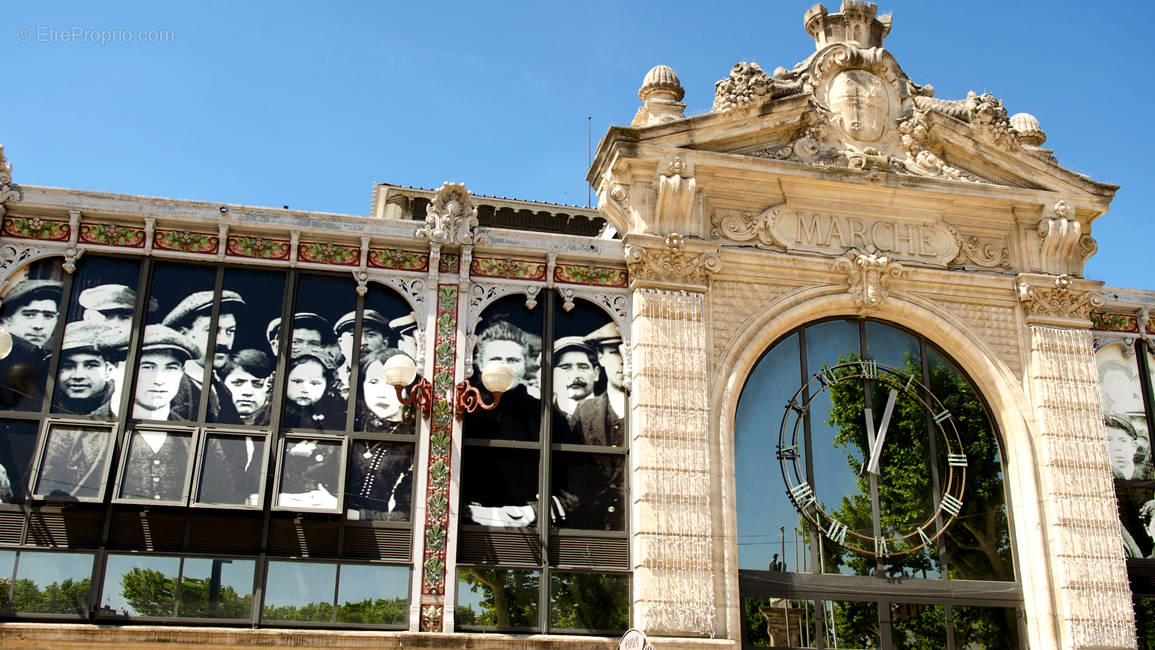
(387,258)
(110,234)
(36,228)
(450,263)
(492,267)
(323,253)
(590,275)
(255,247)
(1109,322)
(185,241)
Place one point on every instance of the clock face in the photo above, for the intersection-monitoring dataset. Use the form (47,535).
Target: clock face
(892,437)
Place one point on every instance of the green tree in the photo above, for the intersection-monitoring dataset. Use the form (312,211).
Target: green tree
(319,612)
(149,591)
(509,597)
(382,611)
(590,601)
(67,597)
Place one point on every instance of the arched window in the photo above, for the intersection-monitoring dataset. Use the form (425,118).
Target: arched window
(870,499)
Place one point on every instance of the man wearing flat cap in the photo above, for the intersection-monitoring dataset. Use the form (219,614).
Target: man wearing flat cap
(160,394)
(575,370)
(111,304)
(192,318)
(30,312)
(83,380)
(374,338)
(599,419)
(310,332)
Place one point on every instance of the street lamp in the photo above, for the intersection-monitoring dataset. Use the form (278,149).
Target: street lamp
(496,376)
(399,373)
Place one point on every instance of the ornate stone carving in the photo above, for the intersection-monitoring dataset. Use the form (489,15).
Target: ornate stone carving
(1060,301)
(414,291)
(985,253)
(13,256)
(676,189)
(989,120)
(746,84)
(1064,246)
(661,94)
(745,226)
(673,265)
(9,192)
(868,277)
(860,104)
(451,217)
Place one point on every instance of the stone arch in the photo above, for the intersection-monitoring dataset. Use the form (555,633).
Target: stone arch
(1004,393)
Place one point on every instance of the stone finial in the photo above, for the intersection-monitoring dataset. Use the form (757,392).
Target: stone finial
(1030,131)
(451,217)
(855,23)
(661,94)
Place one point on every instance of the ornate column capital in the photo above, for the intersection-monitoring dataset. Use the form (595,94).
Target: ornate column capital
(1058,301)
(674,263)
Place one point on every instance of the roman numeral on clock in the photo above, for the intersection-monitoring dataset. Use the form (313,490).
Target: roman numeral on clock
(950,504)
(837,531)
(803,494)
(956,460)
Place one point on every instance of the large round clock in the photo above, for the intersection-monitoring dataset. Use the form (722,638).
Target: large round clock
(888,432)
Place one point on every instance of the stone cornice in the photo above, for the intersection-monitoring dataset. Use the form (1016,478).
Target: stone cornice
(1058,301)
(672,263)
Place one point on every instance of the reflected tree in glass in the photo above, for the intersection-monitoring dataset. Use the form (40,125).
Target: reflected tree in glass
(919,627)
(504,597)
(216,588)
(299,591)
(376,595)
(852,624)
(772,622)
(32,593)
(991,628)
(589,601)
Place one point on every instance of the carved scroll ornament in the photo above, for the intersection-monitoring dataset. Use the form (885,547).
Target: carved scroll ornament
(867,277)
(451,218)
(672,265)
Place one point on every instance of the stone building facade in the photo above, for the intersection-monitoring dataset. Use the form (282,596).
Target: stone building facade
(835,203)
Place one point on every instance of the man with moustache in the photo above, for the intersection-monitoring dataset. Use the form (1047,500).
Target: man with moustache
(31,309)
(374,338)
(192,318)
(599,420)
(83,382)
(575,370)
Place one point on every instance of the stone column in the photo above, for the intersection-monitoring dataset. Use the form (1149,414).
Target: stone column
(671,521)
(1091,593)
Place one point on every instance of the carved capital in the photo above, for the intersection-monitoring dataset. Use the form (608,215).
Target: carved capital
(1058,301)
(451,217)
(676,265)
(867,277)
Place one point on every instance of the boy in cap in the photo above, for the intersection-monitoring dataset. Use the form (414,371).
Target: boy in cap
(83,379)
(30,312)
(310,332)
(192,318)
(374,338)
(111,304)
(160,394)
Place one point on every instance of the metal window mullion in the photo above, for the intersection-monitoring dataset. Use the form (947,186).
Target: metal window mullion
(1145,383)
(815,551)
(354,365)
(209,352)
(545,456)
(46,399)
(868,401)
(936,485)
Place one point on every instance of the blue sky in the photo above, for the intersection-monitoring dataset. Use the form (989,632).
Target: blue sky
(275,104)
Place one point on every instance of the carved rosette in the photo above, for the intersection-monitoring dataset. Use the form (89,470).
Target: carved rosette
(867,277)
(674,266)
(451,218)
(1058,301)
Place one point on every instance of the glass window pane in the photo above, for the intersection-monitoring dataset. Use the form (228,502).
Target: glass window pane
(769,622)
(509,333)
(1144,622)
(380,480)
(589,399)
(52,583)
(232,470)
(990,628)
(1128,442)
(216,588)
(30,311)
(768,532)
(17,446)
(377,595)
(388,327)
(299,591)
(139,585)
(378,408)
(310,474)
(1137,514)
(588,491)
(171,365)
(244,361)
(499,486)
(918,626)
(73,464)
(7,564)
(978,543)
(501,598)
(90,376)
(589,601)
(851,624)
(313,389)
(157,466)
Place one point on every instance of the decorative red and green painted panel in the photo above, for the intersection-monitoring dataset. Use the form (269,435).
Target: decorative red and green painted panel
(257,247)
(110,234)
(387,258)
(597,276)
(492,267)
(323,253)
(1109,322)
(450,263)
(36,228)
(186,241)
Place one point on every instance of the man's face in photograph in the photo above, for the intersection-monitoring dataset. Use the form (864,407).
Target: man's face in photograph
(83,374)
(34,321)
(114,318)
(158,379)
(372,340)
(198,333)
(248,391)
(305,339)
(509,352)
(610,358)
(574,375)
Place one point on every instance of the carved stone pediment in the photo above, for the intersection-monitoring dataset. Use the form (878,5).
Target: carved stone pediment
(1058,301)
(676,264)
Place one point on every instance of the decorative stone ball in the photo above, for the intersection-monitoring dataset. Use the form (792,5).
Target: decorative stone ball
(1030,132)
(661,79)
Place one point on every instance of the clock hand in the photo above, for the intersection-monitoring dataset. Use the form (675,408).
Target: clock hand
(870,439)
(876,453)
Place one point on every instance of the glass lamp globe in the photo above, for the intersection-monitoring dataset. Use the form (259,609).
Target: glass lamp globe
(400,370)
(5,342)
(497,376)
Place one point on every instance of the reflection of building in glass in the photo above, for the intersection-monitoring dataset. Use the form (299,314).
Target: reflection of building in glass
(821,368)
